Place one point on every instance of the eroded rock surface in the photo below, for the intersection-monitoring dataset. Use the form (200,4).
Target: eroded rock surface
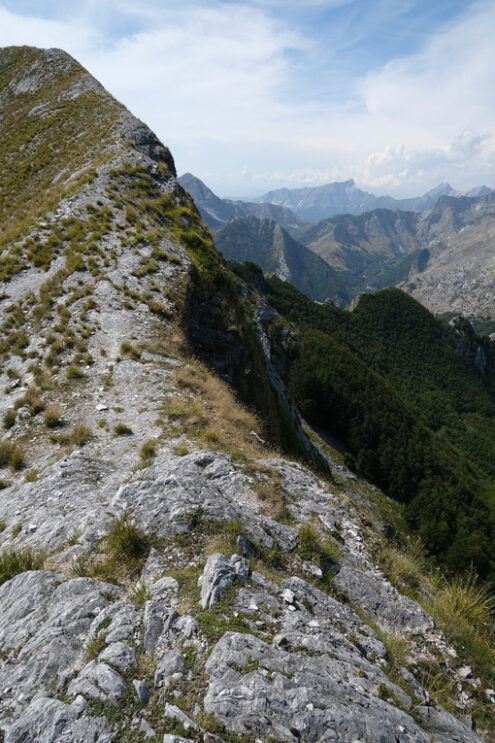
(305,667)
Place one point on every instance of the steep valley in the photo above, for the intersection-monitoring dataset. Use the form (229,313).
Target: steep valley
(182,557)
(442,256)
(440,251)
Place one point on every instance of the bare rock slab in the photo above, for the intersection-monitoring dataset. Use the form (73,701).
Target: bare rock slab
(219,574)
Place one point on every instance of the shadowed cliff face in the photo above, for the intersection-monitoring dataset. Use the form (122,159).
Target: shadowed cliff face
(267,244)
(165,573)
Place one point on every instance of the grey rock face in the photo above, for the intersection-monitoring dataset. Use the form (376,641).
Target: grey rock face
(124,620)
(146,730)
(445,728)
(316,674)
(99,681)
(290,698)
(48,720)
(64,500)
(144,694)
(170,667)
(187,626)
(171,710)
(321,676)
(378,597)
(44,619)
(157,621)
(165,589)
(245,546)
(218,575)
(153,568)
(313,671)
(119,655)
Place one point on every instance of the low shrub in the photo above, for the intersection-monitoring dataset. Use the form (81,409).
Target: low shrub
(33,401)
(312,546)
(467,600)
(126,349)
(74,372)
(9,418)
(53,416)
(126,541)
(122,430)
(148,450)
(13,562)
(11,455)
(81,435)
(6,450)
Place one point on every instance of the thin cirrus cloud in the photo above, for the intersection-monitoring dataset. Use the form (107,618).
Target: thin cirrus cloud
(241,90)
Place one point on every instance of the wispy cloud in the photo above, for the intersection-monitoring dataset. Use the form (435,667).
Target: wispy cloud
(303,4)
(249,97)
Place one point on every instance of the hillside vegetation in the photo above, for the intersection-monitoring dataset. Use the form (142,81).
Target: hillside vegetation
(413,401)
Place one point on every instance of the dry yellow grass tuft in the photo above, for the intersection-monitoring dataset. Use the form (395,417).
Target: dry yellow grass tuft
(208,412)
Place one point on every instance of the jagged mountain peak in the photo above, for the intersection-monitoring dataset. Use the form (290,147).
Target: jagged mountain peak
(194,185)
(344,197)
(441,189)
(216,211)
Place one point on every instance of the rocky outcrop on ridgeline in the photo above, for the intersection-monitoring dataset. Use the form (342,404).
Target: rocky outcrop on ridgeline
(468,342)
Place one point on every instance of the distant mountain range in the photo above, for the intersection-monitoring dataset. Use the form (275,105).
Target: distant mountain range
(440,251)
(217,212)
(443,256)
(314,203)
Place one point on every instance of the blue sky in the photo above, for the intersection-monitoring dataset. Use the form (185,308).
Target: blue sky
(258,94)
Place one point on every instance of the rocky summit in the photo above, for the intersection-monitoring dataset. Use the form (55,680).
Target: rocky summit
(167,572)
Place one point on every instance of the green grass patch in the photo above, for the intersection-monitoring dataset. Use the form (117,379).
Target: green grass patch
(13,562)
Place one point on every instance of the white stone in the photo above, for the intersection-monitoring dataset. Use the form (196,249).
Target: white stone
(288,596)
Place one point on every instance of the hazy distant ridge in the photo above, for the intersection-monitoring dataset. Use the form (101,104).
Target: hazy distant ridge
(217,212)
(314,203)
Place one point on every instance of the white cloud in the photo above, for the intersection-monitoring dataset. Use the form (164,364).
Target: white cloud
(18,30)
(220,83)
(446,87)
(208,73)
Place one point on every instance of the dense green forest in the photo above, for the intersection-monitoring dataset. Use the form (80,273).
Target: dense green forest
(413,400)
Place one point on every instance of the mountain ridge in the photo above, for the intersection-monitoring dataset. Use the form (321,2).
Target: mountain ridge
(313,203)
(166,571)
(267,244)
(417,251)
(216,211)
(451,240)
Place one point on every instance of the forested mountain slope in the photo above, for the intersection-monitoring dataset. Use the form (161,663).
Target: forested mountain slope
(413,400)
